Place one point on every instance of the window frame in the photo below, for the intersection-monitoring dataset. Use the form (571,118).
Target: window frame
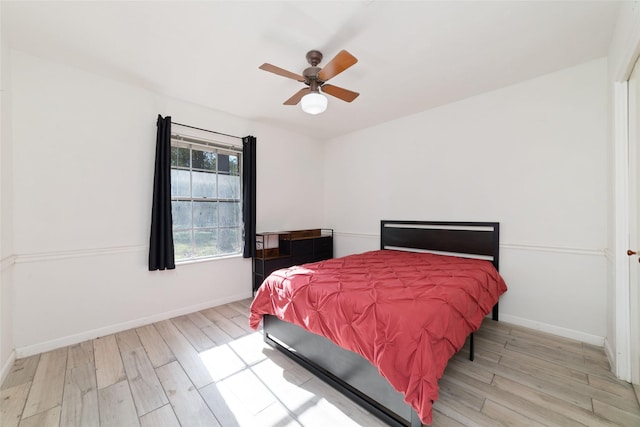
(198,144)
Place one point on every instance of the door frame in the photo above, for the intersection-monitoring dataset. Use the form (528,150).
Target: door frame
(622,356)
(634,218)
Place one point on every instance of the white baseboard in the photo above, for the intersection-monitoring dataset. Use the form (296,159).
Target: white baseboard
(30,350)
(610,355)
(6,367)
(553,329)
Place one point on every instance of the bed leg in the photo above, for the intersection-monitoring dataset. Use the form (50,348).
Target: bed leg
(471,355)
(415,420)
(494,315)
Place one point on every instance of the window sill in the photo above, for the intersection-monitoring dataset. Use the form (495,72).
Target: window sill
(207,259)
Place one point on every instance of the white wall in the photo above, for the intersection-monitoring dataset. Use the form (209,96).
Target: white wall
(289,181)
(6,259)
(530,156)
(83,172)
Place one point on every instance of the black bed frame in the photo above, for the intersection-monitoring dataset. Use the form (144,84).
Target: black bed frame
(350,373)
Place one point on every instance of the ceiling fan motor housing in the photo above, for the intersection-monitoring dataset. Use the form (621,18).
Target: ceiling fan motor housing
(311,77)
(314,57)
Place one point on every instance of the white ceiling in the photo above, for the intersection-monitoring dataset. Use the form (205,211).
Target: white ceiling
(412,55)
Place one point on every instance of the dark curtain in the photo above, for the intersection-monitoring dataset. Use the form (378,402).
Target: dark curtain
(249,195)
(161,255)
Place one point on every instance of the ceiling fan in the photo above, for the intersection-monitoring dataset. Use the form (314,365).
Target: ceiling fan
(313,102)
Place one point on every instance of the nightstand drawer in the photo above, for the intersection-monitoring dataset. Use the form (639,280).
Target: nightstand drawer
(323,248)
(268,266)
(302,247)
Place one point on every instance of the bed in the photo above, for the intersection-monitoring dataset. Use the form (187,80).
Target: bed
(319,314)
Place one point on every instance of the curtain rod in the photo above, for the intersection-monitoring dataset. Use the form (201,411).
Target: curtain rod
(206,130)
(206,143)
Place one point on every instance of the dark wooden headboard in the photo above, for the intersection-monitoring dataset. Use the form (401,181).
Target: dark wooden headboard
(475,239)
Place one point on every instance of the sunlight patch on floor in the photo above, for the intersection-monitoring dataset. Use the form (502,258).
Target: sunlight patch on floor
(221,362)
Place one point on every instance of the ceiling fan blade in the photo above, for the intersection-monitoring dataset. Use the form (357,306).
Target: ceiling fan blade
(297,97)
(338,64)
(281,72)
(338,92)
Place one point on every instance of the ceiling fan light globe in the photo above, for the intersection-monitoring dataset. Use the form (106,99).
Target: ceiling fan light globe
(314,103)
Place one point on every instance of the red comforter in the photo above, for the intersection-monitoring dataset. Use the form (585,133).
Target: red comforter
(407,313)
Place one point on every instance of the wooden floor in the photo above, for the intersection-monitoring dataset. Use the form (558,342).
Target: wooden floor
(208,368)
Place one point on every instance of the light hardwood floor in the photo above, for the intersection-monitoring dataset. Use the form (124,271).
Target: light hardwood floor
(209,368)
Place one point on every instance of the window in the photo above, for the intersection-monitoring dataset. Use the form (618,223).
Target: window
(205,201)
